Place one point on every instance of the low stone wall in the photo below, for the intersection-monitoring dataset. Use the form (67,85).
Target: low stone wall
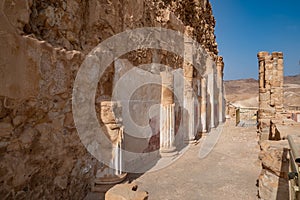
(273,180)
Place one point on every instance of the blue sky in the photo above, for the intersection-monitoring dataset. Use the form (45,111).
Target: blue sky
(245,27)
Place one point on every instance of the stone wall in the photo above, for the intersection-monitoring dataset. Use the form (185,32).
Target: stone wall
(270,87)
(43,45)
(273,181)
(273,128)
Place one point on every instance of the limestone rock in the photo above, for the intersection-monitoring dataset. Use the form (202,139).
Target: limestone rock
(5,129)
(61,182)
(41,51)
(19,120)
(110,112)
(273,181)
(270,86)
(125,192)
(272,187)
(274,156)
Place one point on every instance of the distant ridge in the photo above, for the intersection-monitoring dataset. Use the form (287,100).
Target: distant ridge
(244,92)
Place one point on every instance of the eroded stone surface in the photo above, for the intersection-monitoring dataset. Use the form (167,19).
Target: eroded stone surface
(273,180)
(270,87)
(126,192)
(41,52)
(272,187)
(274,156)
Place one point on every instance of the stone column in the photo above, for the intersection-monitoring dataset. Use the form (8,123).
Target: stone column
(261,63)
(220,68)
(263,94)
(277,84)
(281,78)
(270,87)
(110,116)
(203,104)
(188,102)
(198,108)
(167,115)
(211,99)
(189,99)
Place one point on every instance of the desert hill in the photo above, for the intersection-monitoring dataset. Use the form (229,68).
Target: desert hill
(244,92)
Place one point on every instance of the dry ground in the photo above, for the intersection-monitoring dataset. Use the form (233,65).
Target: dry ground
(228,172)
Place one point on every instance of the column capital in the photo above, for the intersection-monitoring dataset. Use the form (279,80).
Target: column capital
(278,55)
(189,31)
(167,82)
(220,63)
(220,59)
(261,55)
(188,70)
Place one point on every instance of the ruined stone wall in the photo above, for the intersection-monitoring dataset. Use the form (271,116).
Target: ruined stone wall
(270,86)
(273,182)
(43,44)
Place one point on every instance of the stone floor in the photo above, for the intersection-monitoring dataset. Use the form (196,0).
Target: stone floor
(230,170)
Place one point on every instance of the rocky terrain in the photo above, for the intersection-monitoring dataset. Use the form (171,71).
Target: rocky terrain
(244,92)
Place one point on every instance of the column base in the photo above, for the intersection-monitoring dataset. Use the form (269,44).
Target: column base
(190,141)
(110,179)
(168,152)
(103,184)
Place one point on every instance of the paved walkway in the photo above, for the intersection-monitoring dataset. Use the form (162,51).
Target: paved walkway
(228,172)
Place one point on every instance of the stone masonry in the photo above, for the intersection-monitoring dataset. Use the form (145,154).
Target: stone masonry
(270,87)
(273,180)
(43,44)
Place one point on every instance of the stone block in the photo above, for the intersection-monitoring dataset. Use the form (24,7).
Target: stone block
(272,187)
(110,112)
(6,129)
(125,192)
(274,157)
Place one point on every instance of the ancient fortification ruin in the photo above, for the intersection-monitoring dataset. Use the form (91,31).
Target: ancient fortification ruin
(44,44)
(72,127)
(274,126)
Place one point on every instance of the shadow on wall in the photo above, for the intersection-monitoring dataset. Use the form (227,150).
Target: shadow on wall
(283,181)
(208,114)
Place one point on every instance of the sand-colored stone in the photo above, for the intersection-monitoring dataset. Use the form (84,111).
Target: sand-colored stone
(220,75)
(41,52)
(274,157)
(167,96)
(126,192)
(270,85)
(203,108)
(272,187)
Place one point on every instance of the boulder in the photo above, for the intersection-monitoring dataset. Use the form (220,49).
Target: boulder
(126,192)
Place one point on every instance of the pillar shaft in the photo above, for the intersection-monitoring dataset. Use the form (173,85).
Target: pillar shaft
(198,109)
(111,118)
(211,99)
(203,104)
(270,86)
(280,78)
(188,102)
(220,68)
(189,117)
(261,73)
(167,124)
(167,114)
